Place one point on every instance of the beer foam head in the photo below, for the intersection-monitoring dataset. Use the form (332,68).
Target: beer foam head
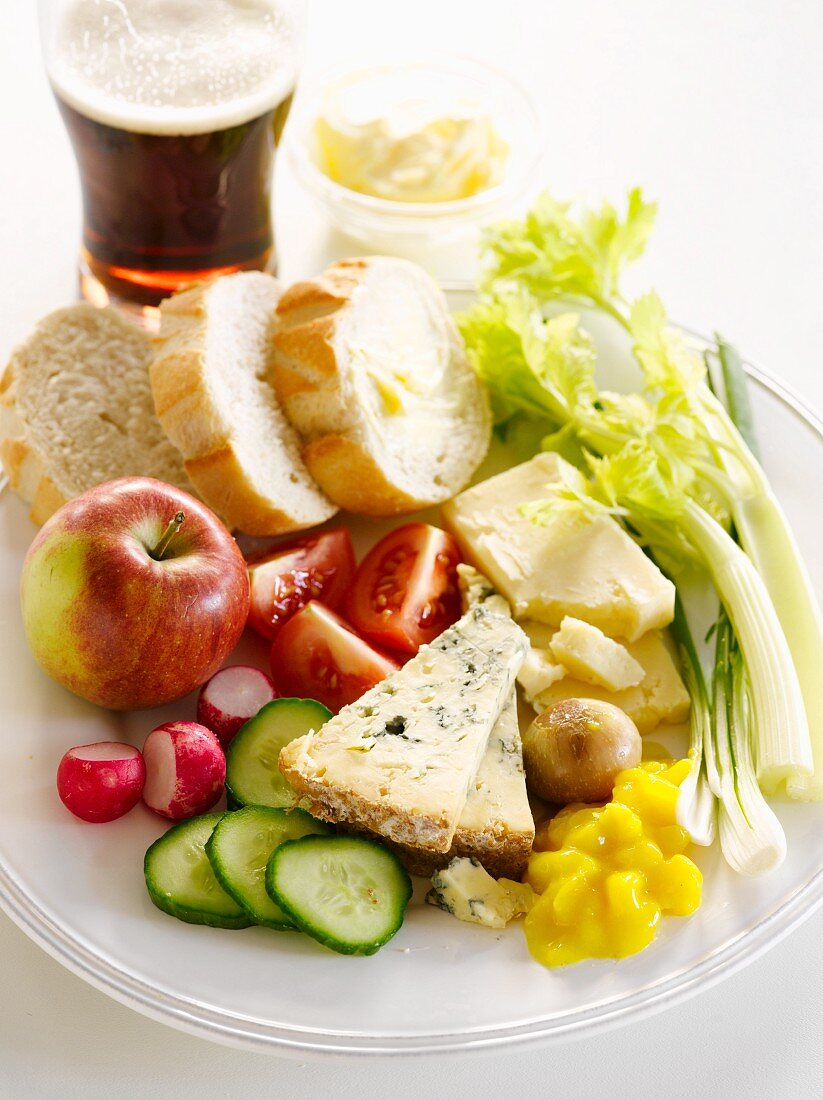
(173,66)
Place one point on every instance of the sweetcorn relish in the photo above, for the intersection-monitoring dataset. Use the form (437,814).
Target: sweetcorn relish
(606,874)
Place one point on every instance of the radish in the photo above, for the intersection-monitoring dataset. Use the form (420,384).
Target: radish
(231,697)
(101,782)
(185,770)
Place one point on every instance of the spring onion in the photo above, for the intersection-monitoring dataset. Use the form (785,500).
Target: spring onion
(779,717)
(696,802)
(751,837)
(765,535)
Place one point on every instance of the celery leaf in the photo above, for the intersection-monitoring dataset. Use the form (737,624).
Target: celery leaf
(553,253)
(661,350)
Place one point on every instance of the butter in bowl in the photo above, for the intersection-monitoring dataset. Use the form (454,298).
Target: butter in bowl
(416,153)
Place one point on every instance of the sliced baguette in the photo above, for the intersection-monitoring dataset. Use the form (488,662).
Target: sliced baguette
(372,372)
(76,410)
(213,395)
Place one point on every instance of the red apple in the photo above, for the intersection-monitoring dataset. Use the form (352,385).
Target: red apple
(133,594)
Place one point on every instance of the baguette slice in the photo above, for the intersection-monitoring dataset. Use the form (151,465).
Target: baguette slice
(372,372)
(76,410)
(213,396)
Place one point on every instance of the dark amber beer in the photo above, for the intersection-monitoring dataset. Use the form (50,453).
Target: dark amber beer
(174,109)
(159,211)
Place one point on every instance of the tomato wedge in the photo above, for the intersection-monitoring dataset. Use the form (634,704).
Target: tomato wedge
(316,567)
(317,655)
(405,591)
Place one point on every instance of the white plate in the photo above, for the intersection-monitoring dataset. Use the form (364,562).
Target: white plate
(440,985)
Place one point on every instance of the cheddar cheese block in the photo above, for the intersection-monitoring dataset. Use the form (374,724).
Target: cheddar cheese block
(579,565)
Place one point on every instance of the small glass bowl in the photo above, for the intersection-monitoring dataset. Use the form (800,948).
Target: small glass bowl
(397,226)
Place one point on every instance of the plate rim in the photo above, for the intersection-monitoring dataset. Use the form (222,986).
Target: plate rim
(299,1041)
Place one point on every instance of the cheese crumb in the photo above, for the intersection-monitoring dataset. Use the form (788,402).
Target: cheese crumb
(591,656)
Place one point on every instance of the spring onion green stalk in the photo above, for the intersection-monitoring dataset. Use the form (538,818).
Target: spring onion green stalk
(736,393)
(696,808)
(751,837)
(720,743)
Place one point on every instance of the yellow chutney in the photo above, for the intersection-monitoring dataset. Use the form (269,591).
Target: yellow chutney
(606,874)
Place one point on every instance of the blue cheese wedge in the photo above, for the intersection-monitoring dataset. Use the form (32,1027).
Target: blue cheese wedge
(467,891)
(400,760)
(496,826)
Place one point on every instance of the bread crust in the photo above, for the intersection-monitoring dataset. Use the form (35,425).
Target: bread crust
(30,467)
(354,479)
(504,855)
(27,477)
(340,805)
(310,342)
(191,418)
(316,391)
(308,299)
(217,476)
(24,467)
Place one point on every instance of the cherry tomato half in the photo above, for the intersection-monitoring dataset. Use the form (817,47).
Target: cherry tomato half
(317,567)
(317,655)
(405,591)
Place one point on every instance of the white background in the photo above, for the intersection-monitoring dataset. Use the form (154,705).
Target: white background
(715,107)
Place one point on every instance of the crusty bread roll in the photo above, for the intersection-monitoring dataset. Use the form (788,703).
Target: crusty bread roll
(76,409)
(372,372)
(214,398)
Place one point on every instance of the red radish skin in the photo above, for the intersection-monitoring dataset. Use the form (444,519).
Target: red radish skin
(231,697)
(185,770)
(101,782)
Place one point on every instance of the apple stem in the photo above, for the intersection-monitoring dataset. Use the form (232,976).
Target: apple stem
(164,543)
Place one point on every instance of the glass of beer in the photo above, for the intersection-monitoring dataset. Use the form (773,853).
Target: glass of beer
(174,109)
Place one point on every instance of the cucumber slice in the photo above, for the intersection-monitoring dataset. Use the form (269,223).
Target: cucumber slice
(345,892)
(252,775)
(240,847)
(181,882)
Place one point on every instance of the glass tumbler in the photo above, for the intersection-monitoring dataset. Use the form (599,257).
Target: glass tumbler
(174,109)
